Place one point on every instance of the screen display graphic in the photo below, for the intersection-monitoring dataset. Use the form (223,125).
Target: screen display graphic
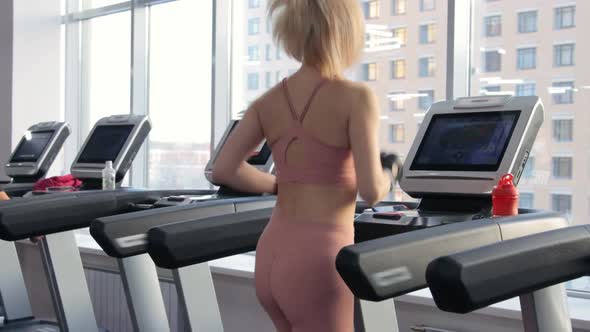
(105,144)
(32,146)
(466,142)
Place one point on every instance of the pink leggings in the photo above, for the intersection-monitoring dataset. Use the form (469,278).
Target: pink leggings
(296,278)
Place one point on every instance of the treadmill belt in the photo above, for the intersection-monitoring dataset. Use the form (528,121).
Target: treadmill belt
(37,326)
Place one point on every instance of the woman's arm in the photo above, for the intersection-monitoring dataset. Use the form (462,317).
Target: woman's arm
(373,182)
(231,168)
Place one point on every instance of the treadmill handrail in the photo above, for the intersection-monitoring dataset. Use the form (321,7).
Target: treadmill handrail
(126,235)
(391,266)
(192,242)
(474,279)
(54,213)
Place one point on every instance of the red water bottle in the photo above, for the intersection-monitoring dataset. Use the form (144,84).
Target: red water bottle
(505,197)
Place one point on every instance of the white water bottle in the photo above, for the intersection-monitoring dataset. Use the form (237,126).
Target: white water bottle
(108,176)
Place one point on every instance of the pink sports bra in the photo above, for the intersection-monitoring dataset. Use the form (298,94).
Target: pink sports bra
(322,163)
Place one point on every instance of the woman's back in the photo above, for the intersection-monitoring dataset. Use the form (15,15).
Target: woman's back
(325,124)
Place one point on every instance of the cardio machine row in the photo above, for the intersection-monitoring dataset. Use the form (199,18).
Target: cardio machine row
(396,243)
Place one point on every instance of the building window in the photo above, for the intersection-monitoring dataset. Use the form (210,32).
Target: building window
(399,7)
(427,33)
(490,90)
(268,79)
(425,99)
(397,101)
(563,92)
(492,61)
(398,69)
(253,4)
(268,25)
(562,167)
(396,133)
(253,26)
(279,53)
(253,53)
(563,130)
(278,76)
(526,89)
(563,55)
(527,21)
(427,67)
(253,81)
(493,25)
(427,5)
(526,200)
(565,17)
(371,8)
(527,58)
(268,52)
(561,203)
(529,168)
(369,72)
(401,35)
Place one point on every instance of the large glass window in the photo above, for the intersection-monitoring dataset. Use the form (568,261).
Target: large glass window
(254,26)
(427,67)
(563,130)
(492,61)
(107,85)
(369,72)
(563,55)
(563,167)
(180,94)
(493,25)
(563,92)
(425,99)
(527,58)
(565,17)
(427,33)
(561,203)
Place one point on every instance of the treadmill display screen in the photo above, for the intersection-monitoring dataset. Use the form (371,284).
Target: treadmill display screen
(260,155)
(105,144)
(32,146)
(466,141)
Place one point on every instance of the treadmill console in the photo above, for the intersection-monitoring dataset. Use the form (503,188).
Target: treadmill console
(465,146)
(261,157)
(117,138)
(36,151)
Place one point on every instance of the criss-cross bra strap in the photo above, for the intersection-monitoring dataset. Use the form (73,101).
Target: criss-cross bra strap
(307,105)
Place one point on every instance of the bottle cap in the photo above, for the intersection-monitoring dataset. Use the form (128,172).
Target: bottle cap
(506,186)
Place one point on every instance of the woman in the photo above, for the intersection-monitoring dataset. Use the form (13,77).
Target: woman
(323,131)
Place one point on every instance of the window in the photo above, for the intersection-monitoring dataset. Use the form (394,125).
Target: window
(254,26)
(427,67)
(493,26)
(397,101)
(425,99)
(268,76)
(279,53)
(398,69)
(253,4)
(562,167)
(268,26)
(563,130)
(278,76)
(253,81)
(427,5)
(371,8)
(396,133)
(253,53)
(527,21)
(561,203)
(268,52)
(565,17)
(427,33)
(526,89)
(492,61)
(563,55)
(401,35)
(529,168)
(491,89)
(526,200)
(527,58)
(563,92)
(399,7)
(369,72)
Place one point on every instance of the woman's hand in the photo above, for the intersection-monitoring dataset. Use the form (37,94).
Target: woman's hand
(391,162)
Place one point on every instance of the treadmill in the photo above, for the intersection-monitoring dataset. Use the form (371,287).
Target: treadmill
(34,155)
(459,154)
(125,238)
(55,216)
(28,163)
(525,267)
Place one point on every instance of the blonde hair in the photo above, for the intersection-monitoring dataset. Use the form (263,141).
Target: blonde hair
(328,35)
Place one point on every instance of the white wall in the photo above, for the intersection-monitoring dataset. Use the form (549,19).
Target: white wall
(5,83)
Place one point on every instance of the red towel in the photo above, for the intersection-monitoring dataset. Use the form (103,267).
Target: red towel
(57,181)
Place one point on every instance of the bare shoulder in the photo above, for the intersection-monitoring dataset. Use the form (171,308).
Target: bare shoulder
(266,100)
(358,96)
